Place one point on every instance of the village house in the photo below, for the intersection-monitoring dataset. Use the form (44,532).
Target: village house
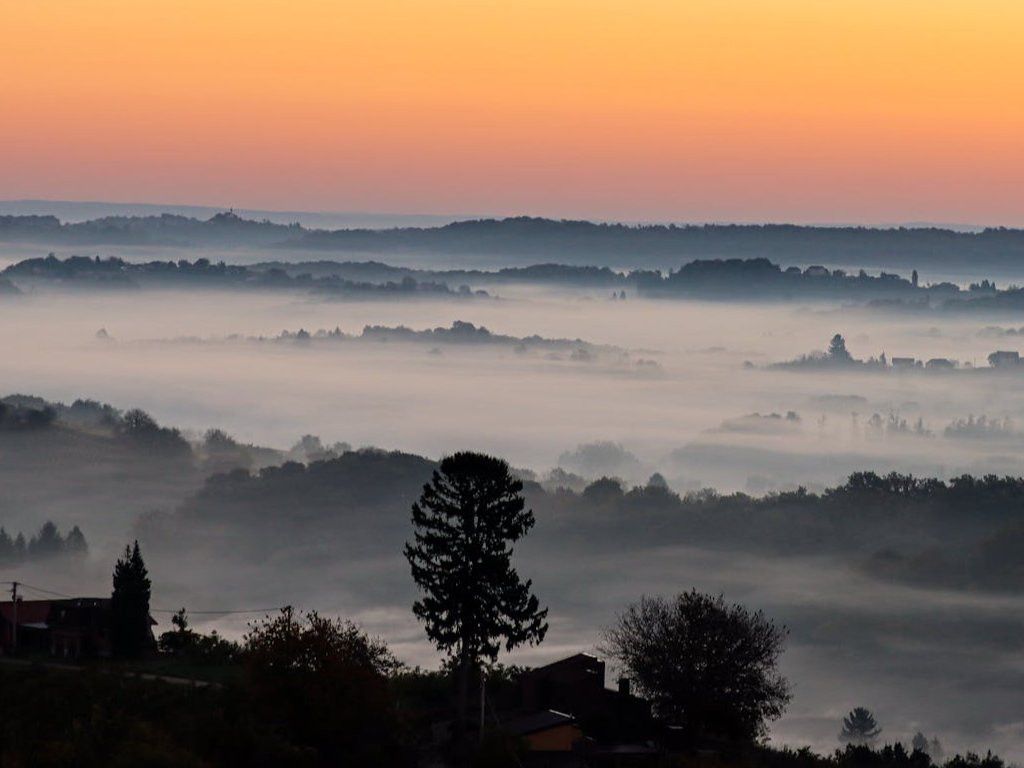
(72,628)
(568,708)
(563,716)
(547,731)
(1004,359)
(904,363)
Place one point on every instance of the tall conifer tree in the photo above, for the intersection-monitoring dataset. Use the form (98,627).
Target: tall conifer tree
(466,521)
(131,634)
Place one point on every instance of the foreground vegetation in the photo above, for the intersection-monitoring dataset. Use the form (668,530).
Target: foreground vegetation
(264,719)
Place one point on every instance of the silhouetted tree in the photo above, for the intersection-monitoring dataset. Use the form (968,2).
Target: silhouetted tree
(657,480)
(466,521)
(180,621)
(606,490)
(137,421)
(859,727)
(837,349)
(705,665)
(180,638)
(919,743)
(47,542)
(131,633)
(142,429)
(218,440)
(75,542)
(326,682)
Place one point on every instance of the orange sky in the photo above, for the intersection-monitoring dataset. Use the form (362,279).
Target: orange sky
(800,110)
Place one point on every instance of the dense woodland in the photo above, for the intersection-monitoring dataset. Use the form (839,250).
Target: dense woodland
(116,274)
(210,490)
(894,527)
(710,279)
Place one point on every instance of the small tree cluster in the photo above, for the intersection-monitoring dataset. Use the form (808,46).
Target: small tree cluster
(895,756)
(21,416)
(48,542)
(184,642)
(140,428)
(326,682)
(933,748)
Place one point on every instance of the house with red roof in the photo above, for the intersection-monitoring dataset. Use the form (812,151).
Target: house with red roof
(72,628)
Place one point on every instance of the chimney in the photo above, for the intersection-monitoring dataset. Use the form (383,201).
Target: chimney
(624,686)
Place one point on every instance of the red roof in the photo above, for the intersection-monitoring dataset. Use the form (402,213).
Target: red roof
(29,611)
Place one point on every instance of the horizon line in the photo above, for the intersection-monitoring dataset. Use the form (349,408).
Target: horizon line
(467,217)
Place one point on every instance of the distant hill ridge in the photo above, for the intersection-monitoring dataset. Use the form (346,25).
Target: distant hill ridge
(70,211)
(513,240)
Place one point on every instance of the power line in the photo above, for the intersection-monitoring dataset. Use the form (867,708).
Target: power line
(44,591)
(155,610)
(195,613)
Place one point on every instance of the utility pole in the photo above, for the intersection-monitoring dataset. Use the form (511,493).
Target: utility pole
(483,700)
(14,625)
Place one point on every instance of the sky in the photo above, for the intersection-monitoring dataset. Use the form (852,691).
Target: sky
(867,111)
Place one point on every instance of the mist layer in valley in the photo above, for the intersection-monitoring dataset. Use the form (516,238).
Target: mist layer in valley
(882,586)
(680,399)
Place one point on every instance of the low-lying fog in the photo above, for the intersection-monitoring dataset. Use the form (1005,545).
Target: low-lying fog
(946,663)
(684,416)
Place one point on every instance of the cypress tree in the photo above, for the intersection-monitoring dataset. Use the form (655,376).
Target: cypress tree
(131,635)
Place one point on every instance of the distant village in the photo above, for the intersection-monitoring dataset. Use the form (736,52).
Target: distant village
(837,357)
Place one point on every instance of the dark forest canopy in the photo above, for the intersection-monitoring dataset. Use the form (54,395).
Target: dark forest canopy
(134,427)
(572,242)
(89,432)
(96,466)
(892,526)
(962,533)
(732,279)
(569,275)
(116,273)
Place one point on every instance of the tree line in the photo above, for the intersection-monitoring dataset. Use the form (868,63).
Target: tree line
(46,543)
(579,242)
(894,526)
